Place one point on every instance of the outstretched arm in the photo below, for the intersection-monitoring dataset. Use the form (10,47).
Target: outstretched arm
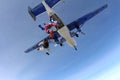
(42,28)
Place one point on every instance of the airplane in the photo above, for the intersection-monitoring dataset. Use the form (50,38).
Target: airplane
(64,32)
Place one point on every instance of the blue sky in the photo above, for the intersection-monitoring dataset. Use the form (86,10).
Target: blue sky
(98,55)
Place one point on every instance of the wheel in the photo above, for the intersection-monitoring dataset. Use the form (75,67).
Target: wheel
(61,44)
(76,35)
(38,49)
(47,53)
(75,48)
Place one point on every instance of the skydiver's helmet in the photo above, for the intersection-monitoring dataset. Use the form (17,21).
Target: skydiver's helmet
(51,20)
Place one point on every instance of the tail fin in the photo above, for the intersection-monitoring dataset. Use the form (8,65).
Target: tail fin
(40,8)
(31,13)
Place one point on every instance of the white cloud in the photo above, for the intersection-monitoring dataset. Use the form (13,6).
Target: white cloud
(112,74)
(107,68)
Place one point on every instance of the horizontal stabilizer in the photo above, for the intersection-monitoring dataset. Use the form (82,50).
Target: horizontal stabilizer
(36,45)
(31,13)
(40,8)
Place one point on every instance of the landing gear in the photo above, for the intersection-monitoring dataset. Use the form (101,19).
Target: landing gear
(82,33)
(76,35)
(79,30)
(61,44)
(75,48)
(47,53)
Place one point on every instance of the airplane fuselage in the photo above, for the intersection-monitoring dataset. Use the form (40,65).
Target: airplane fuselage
(61,28)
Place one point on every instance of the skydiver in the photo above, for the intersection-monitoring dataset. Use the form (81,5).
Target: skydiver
(45,45)
(53,21)
(49,30)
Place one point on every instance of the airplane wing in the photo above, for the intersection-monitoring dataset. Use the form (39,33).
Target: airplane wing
(48,38)
(82,20)
(36,45)
(40,8)
(71,26)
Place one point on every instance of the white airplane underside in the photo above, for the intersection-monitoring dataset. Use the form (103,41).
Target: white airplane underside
(61,28)
(64,31)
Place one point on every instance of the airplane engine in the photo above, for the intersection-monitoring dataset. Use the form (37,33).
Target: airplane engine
(77,26)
